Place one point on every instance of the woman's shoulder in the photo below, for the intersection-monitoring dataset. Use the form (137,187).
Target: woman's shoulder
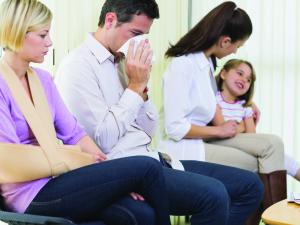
(179,60)
(190,61)
(180,65)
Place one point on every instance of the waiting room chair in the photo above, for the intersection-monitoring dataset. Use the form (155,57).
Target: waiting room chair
(29,219)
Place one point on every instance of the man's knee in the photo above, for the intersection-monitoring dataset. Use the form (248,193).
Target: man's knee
(129,212)
(213,199)
(255,187)
(144,214)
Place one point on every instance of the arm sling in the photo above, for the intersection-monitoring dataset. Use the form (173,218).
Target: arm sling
(19,162)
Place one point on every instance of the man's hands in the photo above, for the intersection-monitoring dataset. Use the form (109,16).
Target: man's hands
(138,66)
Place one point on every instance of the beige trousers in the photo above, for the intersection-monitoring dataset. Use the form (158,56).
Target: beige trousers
(263,153)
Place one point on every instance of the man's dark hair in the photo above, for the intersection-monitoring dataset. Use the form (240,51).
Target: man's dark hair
(126,9)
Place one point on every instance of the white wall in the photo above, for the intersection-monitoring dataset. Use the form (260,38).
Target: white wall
(72,20)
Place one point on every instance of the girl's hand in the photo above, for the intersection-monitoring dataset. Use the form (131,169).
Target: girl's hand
(137,196)
(228,129)
(256,113)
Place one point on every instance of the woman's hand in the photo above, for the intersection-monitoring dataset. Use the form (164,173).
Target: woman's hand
(228,129)
(137,196)
(99,156)
(88,145)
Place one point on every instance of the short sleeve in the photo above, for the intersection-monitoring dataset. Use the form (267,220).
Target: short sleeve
(248,112)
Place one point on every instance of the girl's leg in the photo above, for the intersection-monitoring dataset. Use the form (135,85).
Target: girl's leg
(269,151)
(243,187)
(292,167)
(298,175)
(267,148)
(229,156)
(83,194)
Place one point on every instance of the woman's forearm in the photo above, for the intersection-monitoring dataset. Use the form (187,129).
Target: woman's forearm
(203,132)
(88,145)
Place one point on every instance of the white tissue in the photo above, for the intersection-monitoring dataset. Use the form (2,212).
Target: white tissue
(137,40)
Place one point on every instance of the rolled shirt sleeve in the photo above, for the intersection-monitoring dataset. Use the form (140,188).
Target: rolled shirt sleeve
(176,103)
(148,117)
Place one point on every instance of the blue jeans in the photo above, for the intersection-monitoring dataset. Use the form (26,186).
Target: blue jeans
(128,211)
(213,194)
(96,192)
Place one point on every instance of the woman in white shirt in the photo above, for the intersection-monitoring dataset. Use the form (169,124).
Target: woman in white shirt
(190,104)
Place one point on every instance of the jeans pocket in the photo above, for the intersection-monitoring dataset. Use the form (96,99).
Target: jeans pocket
(47,203)
(52,207)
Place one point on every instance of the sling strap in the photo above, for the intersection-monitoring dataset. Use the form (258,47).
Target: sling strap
(38,116)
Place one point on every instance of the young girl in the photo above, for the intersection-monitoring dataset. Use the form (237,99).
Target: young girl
(236,87)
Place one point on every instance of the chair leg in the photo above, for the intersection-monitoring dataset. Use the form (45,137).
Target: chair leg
(186,219)
(274,191)
(255,218)
(275,187)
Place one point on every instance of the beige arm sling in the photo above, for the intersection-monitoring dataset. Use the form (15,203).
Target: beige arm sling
(19,163)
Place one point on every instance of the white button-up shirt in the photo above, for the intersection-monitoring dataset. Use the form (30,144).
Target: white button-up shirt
(95,91)
(188,99)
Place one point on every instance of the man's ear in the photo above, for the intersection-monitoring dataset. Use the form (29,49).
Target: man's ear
(224,41)
(110,20)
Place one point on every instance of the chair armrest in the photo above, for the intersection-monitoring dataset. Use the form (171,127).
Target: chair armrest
(26,219)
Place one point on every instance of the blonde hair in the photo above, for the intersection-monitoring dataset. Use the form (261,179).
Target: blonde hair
(233,64)
(18,17)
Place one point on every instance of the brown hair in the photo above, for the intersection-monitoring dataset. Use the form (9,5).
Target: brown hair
(232,64)
(225,19)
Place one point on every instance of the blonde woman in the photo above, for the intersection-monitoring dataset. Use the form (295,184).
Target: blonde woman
(84,194)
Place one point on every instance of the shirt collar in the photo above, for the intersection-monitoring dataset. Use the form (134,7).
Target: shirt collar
(202,60)
(98,50)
